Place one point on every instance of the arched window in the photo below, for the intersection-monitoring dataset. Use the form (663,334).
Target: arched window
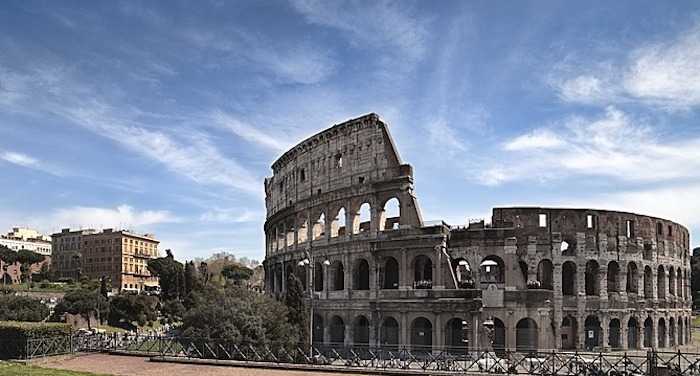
(592,278)
(568,278)
(661,282)
(648,283)
(361,275)
(391,215)
(454,336)
(318,276)
(492,270)
(632,278)
(614,334)
(422,335)
(363,219)
(671,332)
(526,335)
(319,229)
(391,274)
(390,333)
(338,227)
(360,331)
(593,331)
(337,276)
(337,331)
(318,329)
(463,273)
(648,332)
(671,282)
(662,333)
(569,333)
(632,333)
(422,272)
(613,277)
(303,233)
(544,274)
(499,336)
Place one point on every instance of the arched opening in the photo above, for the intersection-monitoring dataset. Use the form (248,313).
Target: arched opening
(317,335)
(319,229)
(391,215)
(422,272)
(300,271)
(614,334)
(681,339)
(661,329)
(499,336)
(390,333)
(671,332)
(632,333)
(492,270)
(454,336)
(363,219)
(661,282)
(391,274)
(671,281)
(648,333)
(338,227)
(648,283)
(318,276)
(632,278)
(337,276)
(613,277)
(522,281)
(568,278)
(526,335)
(337,331)
(569,331)
(360,331)
(361,275)
(544,274)
(463,273)
(421,335)
(593,330)
(303,233)
(592,278)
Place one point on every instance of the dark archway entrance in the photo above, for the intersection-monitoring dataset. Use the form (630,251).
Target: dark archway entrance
(421,335)
(360,332)
(454,336)
(390,333)
(391,274)
(648,333)
(614,334)
(526,335)
(337,331)
(593,330)
(569,331)
(632,334)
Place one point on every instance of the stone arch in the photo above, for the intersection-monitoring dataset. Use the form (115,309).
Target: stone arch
(661,329)
(390,217)
(569,333)
(671,332)
(568,278)
(362,221)
(632,333)
(613,275)
(454,336)
(526,335)
(632,278)
(421,334)
(360,276)
(318,276)
(317,335)
(671,281)
(614,333)
(338,225)
(681,338)
(648,283)
(390,274)
(545,271)
(492,270)
(463,273)
(389,333)
(360,331)
(337,331)
(319,227)
(593,332)
(422,272)
(661,282)
(337,276)
(499,336)
(303,231)
(649,332)
(592,278)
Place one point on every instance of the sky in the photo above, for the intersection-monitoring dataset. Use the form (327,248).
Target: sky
(165,116)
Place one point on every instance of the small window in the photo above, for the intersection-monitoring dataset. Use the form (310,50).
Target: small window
(670,230)
(590,221)
(659,229)
(543,220)
(630,229)
(302,175)
(338,161)
(361,179)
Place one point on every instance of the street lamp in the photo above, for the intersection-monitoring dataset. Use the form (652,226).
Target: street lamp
(489,328)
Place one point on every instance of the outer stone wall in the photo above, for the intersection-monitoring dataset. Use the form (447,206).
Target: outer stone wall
(548,278)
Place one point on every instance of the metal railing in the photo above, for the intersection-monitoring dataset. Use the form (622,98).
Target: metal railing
(430,360)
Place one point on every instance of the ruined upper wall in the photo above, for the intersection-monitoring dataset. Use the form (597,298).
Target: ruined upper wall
(358,151)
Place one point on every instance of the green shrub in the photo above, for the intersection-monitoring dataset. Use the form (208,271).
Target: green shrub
(15,334)
(22,308)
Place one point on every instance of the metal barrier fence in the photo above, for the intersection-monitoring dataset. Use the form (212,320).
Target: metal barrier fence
(368,358)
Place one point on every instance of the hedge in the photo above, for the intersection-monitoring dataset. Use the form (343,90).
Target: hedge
(15,334)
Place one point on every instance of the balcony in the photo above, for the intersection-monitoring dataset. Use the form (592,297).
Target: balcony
(430,294)
(142,255)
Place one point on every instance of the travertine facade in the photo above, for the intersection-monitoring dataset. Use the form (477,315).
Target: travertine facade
(547,278)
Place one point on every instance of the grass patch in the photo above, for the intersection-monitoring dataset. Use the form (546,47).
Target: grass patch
(696,320)
(15,369)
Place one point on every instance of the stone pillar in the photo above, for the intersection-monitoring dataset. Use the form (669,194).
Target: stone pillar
(284,278)
(296,233)
(605,332)
(623,281)
(438,334)
(348,340)
(623,331)
(654,285)
(404,275)
(326,282)
(403,330)
(326,330)
(437,269)
(347,275)
(557,280)
(603,278)
(284,236)
(376,216)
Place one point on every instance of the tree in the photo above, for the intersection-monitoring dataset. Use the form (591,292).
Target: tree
(170,275)
(22,308)
(236,273)
(26,259)
(204,273)
(296,309)
(104,290)
(131,310)
(8,257)
(83,302)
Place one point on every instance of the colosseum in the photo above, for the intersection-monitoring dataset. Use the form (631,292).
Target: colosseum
(342,216)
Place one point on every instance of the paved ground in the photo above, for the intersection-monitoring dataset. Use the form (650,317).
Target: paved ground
(137,366)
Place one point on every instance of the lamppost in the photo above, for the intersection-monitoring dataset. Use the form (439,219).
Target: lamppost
(308,261)
(489,328)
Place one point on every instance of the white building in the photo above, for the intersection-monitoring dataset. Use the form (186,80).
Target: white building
(25,238)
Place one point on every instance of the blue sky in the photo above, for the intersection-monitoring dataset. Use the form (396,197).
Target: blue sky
(165,116)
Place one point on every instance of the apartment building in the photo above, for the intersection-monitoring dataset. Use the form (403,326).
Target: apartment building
(67,246)
(24,238)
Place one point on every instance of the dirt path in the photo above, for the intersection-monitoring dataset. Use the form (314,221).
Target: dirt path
(137,366)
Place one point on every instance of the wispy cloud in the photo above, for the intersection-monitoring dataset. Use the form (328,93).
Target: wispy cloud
(664,74)
(248,132)
(122,216)
(235,215)
(607,146)
(27,161)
